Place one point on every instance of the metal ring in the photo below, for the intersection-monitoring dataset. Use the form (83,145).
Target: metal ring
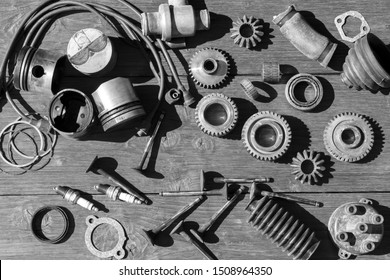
(294,100)
(118,251)
(37,220)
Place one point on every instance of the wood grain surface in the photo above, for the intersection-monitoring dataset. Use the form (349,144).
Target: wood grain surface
(181,149)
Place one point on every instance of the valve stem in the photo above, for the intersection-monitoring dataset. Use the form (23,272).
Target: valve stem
(74,197)
(115,193)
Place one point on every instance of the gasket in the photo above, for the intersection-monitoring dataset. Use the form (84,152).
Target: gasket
(118,251)
(37,220)
(303,103)
(340,21)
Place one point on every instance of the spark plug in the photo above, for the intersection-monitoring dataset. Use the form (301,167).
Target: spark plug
(115,193)
(74,197)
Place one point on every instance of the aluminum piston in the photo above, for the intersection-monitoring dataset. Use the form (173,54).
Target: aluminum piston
(117,103)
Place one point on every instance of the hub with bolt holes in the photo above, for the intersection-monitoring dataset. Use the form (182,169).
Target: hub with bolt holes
(356,228)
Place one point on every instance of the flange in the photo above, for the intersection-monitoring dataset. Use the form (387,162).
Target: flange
(209,67)
(340,21)
(348,137)
(216,114)
(118,251)
(247,32)
(266,135)
(308,167)
(298,94)
(356,228)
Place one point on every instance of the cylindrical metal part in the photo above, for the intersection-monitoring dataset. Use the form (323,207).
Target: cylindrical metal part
(292,198)
(117,103)
(242,181)
(308,41)
(37,70)
(192,193)
(74,197)
(91,52)
(115,193)
(71,113)
(271,72)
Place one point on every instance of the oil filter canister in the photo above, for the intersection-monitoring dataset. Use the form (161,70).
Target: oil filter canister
(117,103)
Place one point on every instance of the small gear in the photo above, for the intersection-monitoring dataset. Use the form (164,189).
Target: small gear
(266,135)
(247,32)
(249,89)
(216,114)
(308,167)
(348,137)
(209,67)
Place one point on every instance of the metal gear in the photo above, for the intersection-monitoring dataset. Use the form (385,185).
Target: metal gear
(266,135)
(308,167)
(348,137)
(216,114)
(209,67)
(249,89)
(247,32)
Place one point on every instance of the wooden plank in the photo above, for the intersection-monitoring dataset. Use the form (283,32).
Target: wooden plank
(232,239)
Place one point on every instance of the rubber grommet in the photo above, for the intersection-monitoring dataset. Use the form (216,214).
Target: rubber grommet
(37,220)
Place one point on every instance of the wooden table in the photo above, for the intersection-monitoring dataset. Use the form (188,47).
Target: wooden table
(181,149)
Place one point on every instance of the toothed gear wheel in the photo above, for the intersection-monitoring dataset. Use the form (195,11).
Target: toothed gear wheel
(266,135)
(348,137)
(209,67)
(249,89)
(247,32)
(308,167)
(216,114)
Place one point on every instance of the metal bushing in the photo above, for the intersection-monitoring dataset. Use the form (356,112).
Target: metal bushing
(117,104)
(356,228)
(270,72)
(91,52)
(36,70)
(249,89)
(118,251)
(348,137)
(216,114)
(36,224)
(266,135)
(71,113)
(247,32)
(308,167)
(340,21)
(209,67)
(304,92)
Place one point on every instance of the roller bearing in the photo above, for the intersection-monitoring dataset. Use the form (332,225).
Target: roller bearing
(209,67)
(300,100)
(216,114)
(308,167)
(348,137)
(247,32)
(266,135)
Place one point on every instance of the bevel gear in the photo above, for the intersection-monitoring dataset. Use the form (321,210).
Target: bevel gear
(216,114)
(308,167)
(247,32)
(266,135)
(348,137)
(209,67)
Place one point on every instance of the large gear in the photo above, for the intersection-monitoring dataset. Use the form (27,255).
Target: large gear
(266,135)
(247,32)
(209,67)
(348,137)
(308,167)
(216,114)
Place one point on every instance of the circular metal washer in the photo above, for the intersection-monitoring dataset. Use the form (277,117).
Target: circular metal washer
(216,114)
(348,137)
(303,103)
(37,220)
(266,135)
(209,67)
(118,251)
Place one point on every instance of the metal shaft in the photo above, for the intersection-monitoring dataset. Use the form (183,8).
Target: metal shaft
(150,142)
(214,218)
(197,245)
(175,217)
(292,198)
(190,193)
(244,180)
